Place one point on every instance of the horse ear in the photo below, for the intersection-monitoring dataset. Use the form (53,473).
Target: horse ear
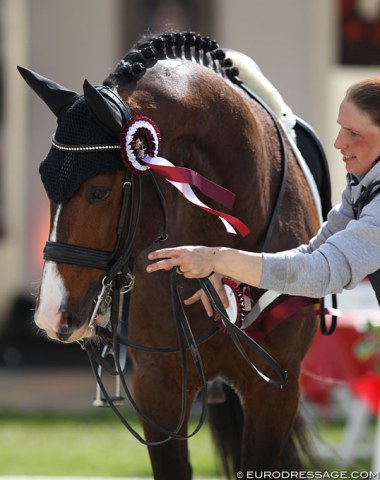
(56,97)
(108,115)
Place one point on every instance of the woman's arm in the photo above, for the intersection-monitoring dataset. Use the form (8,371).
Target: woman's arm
(336,258)
(198,262)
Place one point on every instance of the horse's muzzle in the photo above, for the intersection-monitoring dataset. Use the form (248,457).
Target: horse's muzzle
(63,326)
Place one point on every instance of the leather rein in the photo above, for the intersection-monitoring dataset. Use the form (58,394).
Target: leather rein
(119,280)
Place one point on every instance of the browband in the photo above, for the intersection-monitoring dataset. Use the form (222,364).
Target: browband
(82,148)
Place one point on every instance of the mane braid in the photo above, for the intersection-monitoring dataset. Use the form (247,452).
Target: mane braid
(182,45)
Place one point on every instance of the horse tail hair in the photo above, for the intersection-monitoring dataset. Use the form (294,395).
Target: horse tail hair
(226,425)
(299,451)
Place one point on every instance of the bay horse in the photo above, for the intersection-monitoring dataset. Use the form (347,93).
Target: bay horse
(178,94)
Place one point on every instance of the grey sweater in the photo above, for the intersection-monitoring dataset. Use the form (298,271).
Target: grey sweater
(343,252)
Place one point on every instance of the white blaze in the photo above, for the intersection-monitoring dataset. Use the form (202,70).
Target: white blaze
(52,291)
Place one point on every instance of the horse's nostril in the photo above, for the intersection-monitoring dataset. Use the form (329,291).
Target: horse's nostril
(66,327)
(66,320)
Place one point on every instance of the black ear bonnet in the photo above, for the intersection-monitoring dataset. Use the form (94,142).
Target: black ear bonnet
(87,140)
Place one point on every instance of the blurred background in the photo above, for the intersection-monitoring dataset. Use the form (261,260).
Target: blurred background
(311,50)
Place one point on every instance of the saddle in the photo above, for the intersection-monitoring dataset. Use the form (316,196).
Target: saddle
(312,151)
(300,134)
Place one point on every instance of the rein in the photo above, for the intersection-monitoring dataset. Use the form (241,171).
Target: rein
(284,160)
(238,335)
(186,342)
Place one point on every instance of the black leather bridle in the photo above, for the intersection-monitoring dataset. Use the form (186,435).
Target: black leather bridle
(119,279)
(87,257)
(115,263)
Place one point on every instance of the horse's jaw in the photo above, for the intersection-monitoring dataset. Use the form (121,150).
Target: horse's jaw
(55,317)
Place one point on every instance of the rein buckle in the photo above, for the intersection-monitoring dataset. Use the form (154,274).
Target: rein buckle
(129,283)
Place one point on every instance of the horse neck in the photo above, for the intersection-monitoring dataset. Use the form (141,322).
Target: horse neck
(210,126)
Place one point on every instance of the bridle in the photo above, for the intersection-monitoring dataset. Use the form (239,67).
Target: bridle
(115,263)
(119,279)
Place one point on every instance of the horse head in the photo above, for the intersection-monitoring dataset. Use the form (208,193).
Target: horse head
(85,180)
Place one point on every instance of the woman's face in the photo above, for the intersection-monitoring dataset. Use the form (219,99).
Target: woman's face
(358,139)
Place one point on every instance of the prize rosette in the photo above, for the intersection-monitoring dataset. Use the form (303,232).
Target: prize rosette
(140,143)
(140,138)
(235,309)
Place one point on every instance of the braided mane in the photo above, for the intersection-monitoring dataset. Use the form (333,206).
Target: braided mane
(182,45)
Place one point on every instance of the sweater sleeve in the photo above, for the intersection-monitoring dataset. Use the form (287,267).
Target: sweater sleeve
(340,256)
(337,219)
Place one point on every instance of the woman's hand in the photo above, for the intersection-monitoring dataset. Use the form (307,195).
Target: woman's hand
(200,262)
(191,262)
(216,280)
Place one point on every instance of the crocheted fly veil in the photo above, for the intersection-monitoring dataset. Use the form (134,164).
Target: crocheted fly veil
(86,142)
(63,171)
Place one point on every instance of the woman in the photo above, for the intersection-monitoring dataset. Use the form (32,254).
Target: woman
(347,247)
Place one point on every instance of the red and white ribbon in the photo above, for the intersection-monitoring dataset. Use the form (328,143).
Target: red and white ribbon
(140,141)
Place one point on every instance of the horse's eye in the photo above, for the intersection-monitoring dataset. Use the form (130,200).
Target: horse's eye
(97,194)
